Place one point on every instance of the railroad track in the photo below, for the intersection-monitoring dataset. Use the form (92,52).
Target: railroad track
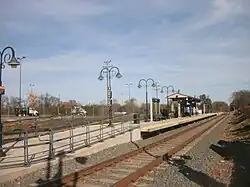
(33,130)
(48,122)
(126,169)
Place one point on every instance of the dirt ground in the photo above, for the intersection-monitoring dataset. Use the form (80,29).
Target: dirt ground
(234,148)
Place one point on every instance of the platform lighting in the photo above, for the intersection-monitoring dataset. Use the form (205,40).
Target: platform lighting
(147,81)
(7,56)
(109,71)
(167,87)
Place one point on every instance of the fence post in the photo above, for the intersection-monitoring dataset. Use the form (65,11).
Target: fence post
(131,130)
(129,126)
(122,127)
(51,144)
(19,124)
(101,131)
(36,130)
(112,129)
(26,149)
(71,139)
(87,135)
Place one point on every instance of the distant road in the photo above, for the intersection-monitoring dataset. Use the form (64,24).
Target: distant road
(15,118)
(49,122)
(43,118)
(49,117)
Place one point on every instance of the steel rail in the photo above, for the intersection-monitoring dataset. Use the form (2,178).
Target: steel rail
(113,161)
(144,170)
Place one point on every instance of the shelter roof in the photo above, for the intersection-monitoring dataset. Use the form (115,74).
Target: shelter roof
(182,96)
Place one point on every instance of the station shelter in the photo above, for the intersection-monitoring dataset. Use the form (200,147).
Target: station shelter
(182,105)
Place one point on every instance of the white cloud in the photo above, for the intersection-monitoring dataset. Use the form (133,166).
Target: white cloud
(171,42)
(220,11)
(63,9)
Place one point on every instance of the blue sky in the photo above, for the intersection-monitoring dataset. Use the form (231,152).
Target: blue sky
(199,46)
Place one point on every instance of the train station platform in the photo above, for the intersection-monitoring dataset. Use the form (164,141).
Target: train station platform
(148,128)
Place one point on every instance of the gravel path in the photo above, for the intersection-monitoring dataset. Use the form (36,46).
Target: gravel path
(195,168)
(70,164)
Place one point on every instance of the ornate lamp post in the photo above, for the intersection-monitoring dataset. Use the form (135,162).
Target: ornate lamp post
(7,56)
(146,81)
(167,87)
(157,88)
(109,71)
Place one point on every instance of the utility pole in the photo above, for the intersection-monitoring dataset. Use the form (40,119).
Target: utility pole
(30,96)
(20,82)
(129,90)
(59,104)
(129,95)
(122,98)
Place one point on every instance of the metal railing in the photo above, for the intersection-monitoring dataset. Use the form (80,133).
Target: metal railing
(17,123)
(46,146)
(33,127)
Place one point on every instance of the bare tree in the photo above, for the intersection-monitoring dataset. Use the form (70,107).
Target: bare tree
(220,106)
(5,105)
(240,101)
(131,106)
(205,100)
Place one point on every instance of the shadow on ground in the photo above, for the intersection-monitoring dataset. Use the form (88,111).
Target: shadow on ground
(239,152)
(56,180)
(197,177)
(145,150)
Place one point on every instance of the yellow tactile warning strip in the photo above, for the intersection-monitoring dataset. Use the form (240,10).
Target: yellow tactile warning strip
(173,122)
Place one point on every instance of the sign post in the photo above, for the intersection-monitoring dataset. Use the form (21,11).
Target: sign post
(2,90)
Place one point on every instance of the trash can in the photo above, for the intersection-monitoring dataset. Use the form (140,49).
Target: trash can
(136,117)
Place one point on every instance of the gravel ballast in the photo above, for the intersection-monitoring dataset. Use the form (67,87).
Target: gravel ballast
(195,168)
(70,165)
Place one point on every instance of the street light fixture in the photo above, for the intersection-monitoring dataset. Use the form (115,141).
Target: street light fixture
(108,70)
(7,56)
(146,81)
(167,87)
(20,83)
(100,77)
(157,87)
(13,63)
(31,87)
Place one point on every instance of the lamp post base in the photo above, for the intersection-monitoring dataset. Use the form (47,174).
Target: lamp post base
(110,124)
(2,154)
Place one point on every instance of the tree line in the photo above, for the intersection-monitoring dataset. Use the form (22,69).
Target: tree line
(48,104)
(240,102)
